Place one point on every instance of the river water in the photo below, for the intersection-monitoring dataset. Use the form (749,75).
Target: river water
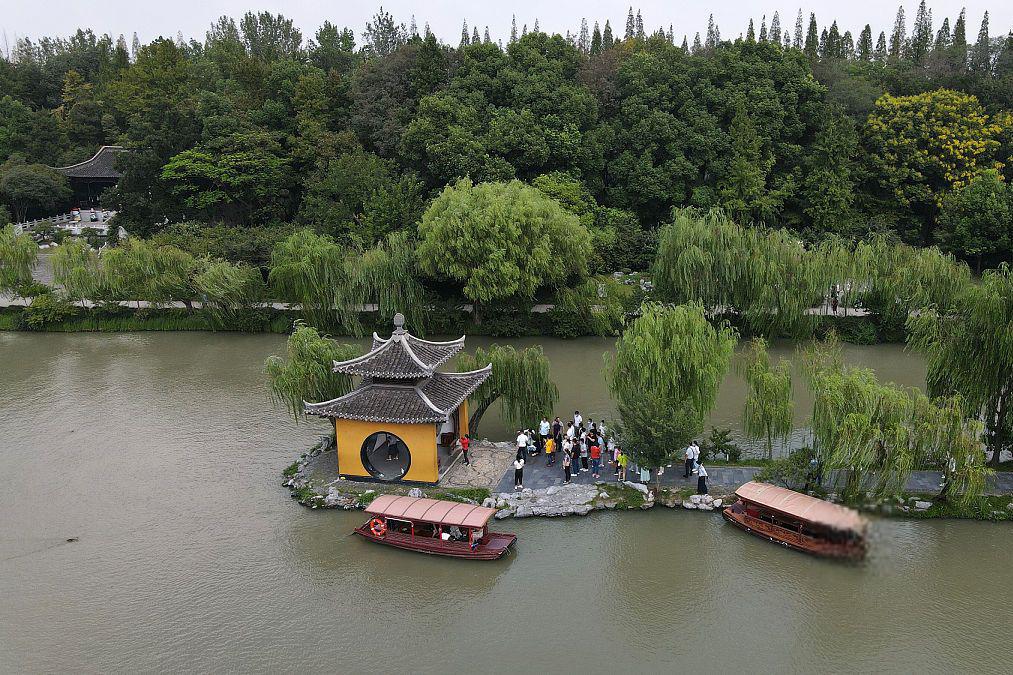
(161,454)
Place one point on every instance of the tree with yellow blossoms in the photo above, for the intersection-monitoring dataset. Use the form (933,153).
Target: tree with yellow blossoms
(921,147)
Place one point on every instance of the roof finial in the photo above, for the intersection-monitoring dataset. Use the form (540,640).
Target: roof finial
(399,324)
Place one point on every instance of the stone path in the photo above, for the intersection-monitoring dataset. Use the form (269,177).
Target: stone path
(537,476)
(488,463)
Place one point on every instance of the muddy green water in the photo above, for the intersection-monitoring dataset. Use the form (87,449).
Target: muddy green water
(161,454)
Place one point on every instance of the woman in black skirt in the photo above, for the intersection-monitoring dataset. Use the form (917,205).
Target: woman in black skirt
(701,481)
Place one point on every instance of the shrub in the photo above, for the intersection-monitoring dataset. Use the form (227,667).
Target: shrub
(791,471)
(719,442)
(47,310)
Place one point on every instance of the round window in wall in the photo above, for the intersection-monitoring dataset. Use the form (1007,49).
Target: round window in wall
(385,456)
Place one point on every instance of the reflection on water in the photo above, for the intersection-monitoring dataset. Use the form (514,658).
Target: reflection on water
(162,454)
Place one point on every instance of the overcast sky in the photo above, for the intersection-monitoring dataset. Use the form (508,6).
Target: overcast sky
(34,18)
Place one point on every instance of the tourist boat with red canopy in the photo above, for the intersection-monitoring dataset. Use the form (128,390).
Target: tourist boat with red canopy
(434,526)
(799,521)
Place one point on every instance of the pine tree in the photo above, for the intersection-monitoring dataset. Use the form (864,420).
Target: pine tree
(880,54)
(713,34)
(775,29)
(536,29)
(474,36)
(981,54)
(798,31)
(685,44)
(763,28)
(513,29)
(787,40)
(413,29)
(898,38)
(640,26)
(847,46)
(584,40)
(833,46)
(811,48)
(821,50)
(697,45)
(427,31)
(750,33)
(596,40)
(524,30)
(631,25)
(606,37)
(465,40)
(958,49)
(1004,61)
(671,34)
(135,46)
(486,39)
(921,37)
(943,38)
(865,44)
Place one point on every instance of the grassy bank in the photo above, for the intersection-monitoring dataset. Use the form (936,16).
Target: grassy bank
(104,320)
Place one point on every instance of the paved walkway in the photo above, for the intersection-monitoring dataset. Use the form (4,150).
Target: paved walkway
(537,475)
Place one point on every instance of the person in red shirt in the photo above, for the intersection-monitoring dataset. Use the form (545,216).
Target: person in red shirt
(595,461)
(465,442)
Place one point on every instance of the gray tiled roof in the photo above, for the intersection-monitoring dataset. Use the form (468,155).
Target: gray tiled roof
(402,356)
(102,165)
(432,400)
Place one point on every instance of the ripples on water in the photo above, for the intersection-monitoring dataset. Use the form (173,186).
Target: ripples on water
(162,452)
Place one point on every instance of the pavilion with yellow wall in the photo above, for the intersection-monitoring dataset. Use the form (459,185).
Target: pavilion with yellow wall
(403,420)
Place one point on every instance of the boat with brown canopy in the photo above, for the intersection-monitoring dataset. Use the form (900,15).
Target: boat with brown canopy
(799,521)
(434,526)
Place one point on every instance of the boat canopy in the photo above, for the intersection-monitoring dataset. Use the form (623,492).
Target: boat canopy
(803,507)
(430,511)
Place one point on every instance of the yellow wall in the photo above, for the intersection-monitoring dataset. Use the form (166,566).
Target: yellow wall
(420,439)
(462,419)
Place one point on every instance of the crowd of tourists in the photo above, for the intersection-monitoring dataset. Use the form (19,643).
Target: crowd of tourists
(586,446)
(577,446)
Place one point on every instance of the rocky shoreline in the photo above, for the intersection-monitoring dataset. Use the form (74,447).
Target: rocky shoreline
(312,483)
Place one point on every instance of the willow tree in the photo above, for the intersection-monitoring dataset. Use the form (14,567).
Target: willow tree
(226,289)
(768,411)
(520,381)
(18,255)
(769,277)
(676,356)
(871,435)
(76,269)
(141,270)
(969,350)
(306,373)
(600,302)
(899,279)
(332,283)
(500,241)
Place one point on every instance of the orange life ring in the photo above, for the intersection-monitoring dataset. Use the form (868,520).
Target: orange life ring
(378,527)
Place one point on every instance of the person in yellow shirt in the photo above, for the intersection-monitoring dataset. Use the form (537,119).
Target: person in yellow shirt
(550,451)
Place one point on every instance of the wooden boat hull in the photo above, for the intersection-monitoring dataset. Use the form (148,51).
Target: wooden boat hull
(493,546)
(793,540)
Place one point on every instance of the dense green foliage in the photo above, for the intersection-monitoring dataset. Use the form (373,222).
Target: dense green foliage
(253,125)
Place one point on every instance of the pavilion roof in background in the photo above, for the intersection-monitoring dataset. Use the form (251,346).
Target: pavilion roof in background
(101,165)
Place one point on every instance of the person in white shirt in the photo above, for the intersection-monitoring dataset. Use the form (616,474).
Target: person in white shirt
(543,433)
(701,481)
(688,455)
(522,444)
(570,432)
(577,419)
(696,455)
(519,473)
